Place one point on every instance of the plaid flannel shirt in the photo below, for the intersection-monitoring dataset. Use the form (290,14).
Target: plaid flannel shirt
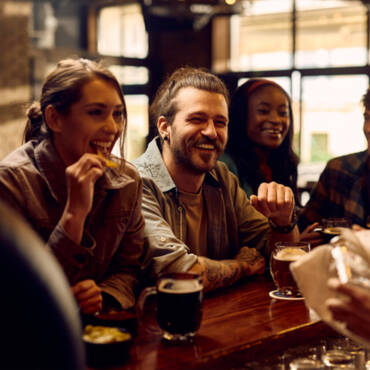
(341,191)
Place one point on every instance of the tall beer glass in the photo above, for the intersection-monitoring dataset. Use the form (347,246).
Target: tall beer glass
(282,256)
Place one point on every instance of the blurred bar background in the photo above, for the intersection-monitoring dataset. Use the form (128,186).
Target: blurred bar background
(318,50)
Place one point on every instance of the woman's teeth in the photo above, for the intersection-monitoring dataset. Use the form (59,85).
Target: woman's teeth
(273,131)
(101,146)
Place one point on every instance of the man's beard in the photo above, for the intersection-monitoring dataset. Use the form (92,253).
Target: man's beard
(185,161)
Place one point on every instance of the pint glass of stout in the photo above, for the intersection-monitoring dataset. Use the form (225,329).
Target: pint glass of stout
(178,306)
(282,256)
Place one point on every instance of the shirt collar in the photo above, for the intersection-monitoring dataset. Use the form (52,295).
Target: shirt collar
(52,168)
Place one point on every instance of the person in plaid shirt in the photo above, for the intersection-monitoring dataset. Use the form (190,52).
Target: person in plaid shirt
(343,189)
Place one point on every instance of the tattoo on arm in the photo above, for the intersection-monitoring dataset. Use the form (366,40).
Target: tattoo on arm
(226,272)
(222,273)
(249,255)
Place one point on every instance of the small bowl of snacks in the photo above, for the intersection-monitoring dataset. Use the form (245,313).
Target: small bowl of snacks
(106,345)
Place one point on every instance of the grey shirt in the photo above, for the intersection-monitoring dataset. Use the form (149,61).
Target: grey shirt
(232,222)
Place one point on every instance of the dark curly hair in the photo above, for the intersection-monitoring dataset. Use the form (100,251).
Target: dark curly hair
(282,160)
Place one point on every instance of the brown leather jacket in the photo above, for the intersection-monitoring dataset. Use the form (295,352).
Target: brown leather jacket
(32,181)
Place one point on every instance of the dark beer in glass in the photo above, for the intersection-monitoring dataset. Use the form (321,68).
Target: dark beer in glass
(179,306)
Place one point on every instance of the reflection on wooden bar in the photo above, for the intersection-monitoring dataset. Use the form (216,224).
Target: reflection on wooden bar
(240,324)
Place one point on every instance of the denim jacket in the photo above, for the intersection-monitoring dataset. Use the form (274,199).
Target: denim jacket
(232,222)
(32,181)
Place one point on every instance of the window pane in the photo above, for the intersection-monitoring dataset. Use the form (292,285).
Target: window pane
(130,75)
(332,121)
(137,127)
(319,147)
(121,31)
(261,39)
(330,33)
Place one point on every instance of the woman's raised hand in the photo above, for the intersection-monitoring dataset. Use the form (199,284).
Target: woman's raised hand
(80,178)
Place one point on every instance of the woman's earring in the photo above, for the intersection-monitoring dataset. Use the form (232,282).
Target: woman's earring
(165,138)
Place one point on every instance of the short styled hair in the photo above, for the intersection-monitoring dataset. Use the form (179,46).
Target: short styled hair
(198,78)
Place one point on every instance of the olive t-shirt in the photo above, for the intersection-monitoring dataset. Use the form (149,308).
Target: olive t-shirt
(196,220)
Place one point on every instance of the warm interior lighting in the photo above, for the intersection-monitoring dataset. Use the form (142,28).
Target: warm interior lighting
(230,2)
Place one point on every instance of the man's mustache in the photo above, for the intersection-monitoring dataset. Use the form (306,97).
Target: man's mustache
(216,143)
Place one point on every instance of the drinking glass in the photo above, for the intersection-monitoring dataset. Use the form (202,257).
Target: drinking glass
(354,349)
(332,226)
(281,257)
(315,352)
(178,306)
(338,359)
(306,363)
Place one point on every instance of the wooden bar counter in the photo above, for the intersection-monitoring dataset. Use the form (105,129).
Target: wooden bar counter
(240,324)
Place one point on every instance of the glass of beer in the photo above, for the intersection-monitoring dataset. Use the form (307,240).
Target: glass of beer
(281,257)
(332,226)
(178,307)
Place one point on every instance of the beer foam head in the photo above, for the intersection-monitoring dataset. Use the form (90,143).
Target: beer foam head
(332,230)
(289,254)
(179,286)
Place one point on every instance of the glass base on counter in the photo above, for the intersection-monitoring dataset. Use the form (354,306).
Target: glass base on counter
(276,294)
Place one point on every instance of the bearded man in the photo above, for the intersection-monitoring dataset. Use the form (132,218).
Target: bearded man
(197,217)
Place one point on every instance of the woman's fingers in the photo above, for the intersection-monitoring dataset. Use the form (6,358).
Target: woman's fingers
(81,177)
(308,235)
(88,296)
(92,305)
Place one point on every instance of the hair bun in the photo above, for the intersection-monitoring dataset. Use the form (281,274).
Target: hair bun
(34,112)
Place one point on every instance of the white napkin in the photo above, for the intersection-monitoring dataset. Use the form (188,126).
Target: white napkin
(313,270)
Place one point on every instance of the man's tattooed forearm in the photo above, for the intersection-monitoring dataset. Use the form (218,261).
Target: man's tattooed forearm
(221,274)
(249,255)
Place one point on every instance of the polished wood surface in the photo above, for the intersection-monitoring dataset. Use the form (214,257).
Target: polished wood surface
(240,324)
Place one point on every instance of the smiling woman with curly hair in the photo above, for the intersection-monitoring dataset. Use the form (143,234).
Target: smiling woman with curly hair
(260,136)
